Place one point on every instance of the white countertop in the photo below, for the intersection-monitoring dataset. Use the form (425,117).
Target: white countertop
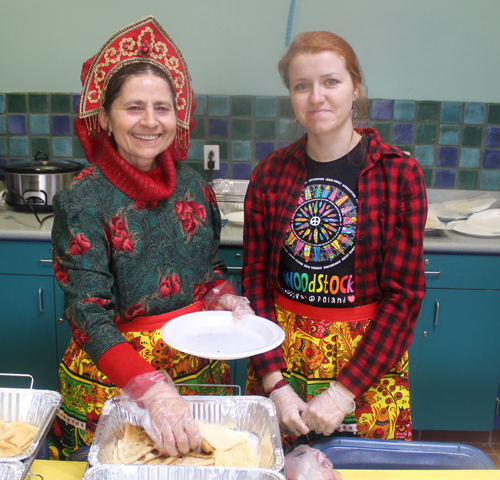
(20,225)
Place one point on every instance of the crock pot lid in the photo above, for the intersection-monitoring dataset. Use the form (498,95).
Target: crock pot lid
(42,164)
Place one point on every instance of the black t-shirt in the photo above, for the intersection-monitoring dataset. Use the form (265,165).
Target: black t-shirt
(317,258)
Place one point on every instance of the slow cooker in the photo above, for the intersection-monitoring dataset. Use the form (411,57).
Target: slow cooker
(30,185)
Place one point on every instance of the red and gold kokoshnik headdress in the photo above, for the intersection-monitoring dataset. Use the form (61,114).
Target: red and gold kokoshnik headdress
(142,41)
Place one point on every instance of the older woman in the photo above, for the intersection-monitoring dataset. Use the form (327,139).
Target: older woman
(135,239)
(334,227)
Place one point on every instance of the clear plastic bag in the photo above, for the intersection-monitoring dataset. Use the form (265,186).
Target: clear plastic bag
(306,463)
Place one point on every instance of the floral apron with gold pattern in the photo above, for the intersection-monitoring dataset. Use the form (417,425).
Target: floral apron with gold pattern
(85,388)
(315,350)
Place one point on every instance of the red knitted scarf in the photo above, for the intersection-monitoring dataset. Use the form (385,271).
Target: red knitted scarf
(148,187)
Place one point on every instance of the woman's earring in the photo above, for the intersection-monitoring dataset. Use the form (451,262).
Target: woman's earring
(110,133)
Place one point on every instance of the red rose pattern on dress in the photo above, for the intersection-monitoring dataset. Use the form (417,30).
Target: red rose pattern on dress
(118,234)
(189,214)
(60,271)
(79,244)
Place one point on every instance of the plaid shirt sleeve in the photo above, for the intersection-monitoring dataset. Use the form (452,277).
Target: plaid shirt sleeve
(388,262)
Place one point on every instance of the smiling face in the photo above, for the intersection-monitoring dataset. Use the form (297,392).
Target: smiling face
(142,120)
(322,94)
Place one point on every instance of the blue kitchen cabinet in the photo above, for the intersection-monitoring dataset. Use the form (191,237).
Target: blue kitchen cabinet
(27,319)
(454,359)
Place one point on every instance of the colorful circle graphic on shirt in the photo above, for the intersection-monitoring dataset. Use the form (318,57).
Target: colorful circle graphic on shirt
(322,228)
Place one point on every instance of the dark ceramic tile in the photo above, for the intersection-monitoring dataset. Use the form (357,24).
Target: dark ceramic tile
(40,144)
(493,114)
(404,111)
(60,103)
(447,157)
(428,175)
(198,167)
(263,149)
(222,172)
(75,102)
(62,147)
(3,146)
(474,113)
(61,125)
(428,111)
(242,106)
(265,106)
(39,124)
(491,158)
(241,128)
(426,133)
(18,147)
(201,104)
(493,137)
(241,171)
(2,102)
(199,128)
(16,103)
(17,124)
(451,112)
(469,157)
(38,102)
(218,105)
(241,150)
(78,149)
(402,133)
(381,110)
(217,127)
(449,134)
(265,129)
(3,125)
(285,107)
(195,151)
(445,178)
(424,154)
(384,130)
(467,179)
(473,136)
(495,438)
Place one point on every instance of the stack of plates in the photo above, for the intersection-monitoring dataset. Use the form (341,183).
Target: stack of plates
(481,224)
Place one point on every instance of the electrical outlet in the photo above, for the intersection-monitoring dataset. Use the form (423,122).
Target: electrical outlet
(211,152)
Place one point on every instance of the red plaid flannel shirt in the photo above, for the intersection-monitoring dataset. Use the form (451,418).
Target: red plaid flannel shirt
(388,257)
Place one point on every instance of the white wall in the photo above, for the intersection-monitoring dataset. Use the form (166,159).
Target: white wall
(408,49)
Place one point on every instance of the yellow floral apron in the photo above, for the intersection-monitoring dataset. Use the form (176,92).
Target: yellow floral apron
(316,349)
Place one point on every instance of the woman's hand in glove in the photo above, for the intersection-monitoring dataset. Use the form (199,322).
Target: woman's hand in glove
(173,428)
(325,412)
(240,306)
(289,406)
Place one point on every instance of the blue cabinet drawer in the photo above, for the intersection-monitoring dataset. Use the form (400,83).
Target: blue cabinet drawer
(474,272)
(233,258)
(26,258)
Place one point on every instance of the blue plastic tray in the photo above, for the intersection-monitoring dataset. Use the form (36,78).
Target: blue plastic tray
(361,453)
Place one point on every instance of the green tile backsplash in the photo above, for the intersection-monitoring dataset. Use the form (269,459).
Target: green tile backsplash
(456,143)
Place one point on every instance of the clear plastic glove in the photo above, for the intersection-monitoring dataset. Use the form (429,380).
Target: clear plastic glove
(165,414)
(325,412)
(223,297)
(289,406)
(309,463)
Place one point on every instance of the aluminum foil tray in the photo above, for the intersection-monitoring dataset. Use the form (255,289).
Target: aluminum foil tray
(168,472)
(230,194)
(36,407)
(12,471)
(252,414)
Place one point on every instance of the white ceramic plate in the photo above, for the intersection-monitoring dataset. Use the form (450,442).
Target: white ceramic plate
(462,226)
(234,217)
(218,335)
(469,206)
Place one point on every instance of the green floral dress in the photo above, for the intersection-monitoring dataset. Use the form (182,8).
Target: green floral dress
(116,260)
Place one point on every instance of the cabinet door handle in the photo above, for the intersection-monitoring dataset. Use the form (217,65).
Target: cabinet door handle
(44,260)
(433,273)
(40,300)
(234,268)
(436,315)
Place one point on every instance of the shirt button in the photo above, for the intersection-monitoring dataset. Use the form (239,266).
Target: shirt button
(383,204)
(363,205)
(361,238)
(360,270)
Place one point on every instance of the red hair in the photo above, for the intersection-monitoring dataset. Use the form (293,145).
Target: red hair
(316,42)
